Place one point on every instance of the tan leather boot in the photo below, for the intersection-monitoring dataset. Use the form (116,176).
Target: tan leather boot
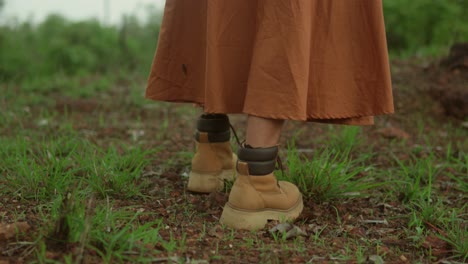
(257,196)
(214,160)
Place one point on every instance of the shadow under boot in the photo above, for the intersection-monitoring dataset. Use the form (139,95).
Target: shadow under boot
(214,160)
(257,196)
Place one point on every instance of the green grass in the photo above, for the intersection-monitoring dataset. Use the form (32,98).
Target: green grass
(63,172)
(457,234)
(103,182)
(41,169)
(418,175)
(115,235)
(330,173)
(345,138)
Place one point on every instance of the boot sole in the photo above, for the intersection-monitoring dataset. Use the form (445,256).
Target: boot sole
(209,182)
(254,220)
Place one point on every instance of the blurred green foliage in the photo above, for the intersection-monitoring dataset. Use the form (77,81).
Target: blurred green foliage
(425,27)
(60,46)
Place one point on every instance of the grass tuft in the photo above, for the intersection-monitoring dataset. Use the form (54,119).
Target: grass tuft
(457,236)
(329,173)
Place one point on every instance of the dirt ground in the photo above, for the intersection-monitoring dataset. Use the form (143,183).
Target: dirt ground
(425,92)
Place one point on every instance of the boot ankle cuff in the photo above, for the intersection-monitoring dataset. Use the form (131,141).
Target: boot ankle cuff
(248,153)
(213,123)
(215,137)
(261,161)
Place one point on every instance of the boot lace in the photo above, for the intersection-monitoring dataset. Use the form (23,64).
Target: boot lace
(239,143)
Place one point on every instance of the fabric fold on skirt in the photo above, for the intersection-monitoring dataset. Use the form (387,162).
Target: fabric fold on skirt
(321,60)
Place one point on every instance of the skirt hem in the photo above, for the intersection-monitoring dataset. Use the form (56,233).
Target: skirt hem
(361,119)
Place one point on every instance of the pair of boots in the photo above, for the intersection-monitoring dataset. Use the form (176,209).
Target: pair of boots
(256,195)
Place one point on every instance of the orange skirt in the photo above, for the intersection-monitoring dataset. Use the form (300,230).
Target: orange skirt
(317,60)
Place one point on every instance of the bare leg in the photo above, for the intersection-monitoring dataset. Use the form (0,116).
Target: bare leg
(263,132)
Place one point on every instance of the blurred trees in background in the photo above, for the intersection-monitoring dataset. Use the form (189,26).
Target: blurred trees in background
(425,27)
(60,46)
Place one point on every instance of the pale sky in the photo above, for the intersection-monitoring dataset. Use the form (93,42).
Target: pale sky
(37,10)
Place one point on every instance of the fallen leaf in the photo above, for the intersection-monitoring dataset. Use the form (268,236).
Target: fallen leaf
(295,232)
(217,232)
(151,173)
(289,230)
(376,259)
(372,221)
(438,246)
(283,227)
(434,242)
(317,229)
